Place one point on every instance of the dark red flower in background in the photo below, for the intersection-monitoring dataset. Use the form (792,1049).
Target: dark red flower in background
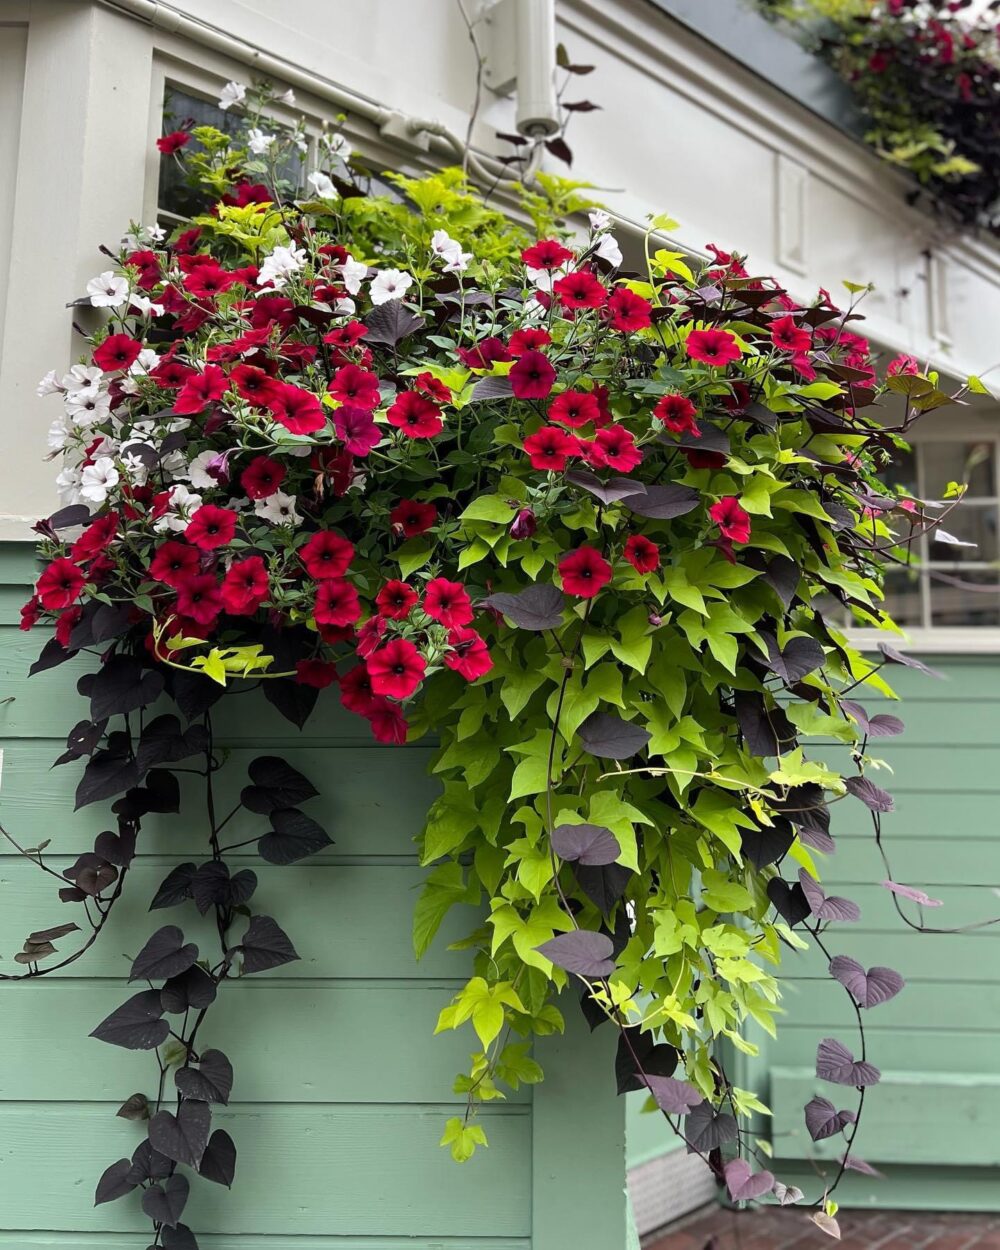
(316,673)
(395,600)
(200,390)
(326,555)
(200,598)
(174,562)
(546,254)
(298,411)
(533,376)
(118,351)
(643,555)
(173,142)
(211,527)
(448,603)
(789,336)
(245,586)
(732,519)
(712,347)
(397,669)
(550,448)
(486,353)
(353,385)
(60,584)
(469,655)
(337,603)
(629,312)
(412,518)
(356,429)
(583,572)
(416,415)
(580,289)
(678,414)
(262,477)
(574,408)
(529,339)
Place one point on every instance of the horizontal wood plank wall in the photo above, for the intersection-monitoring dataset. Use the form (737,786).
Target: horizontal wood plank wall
(936,1043)
(341,1089)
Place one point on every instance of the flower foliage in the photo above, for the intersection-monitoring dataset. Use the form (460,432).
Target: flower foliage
(476,479)
(926,76)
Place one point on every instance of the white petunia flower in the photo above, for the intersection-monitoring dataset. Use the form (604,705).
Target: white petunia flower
(145,305)
(389,284)
(48,385)
(458,262)
(322,185)
(196,471)
(83,378)
(232,93)
(278,508)
(259,141)
(353,273)
(599,219)
(58,435)
(442,244)
(183,503)
(336,145)
(145,362)
(97,479)
(287,97)
(542,279)
(140,238)
(135,469)
(68,484)
(108,290)
(84,408)
(609,250)
(280,265)
(174,464)
(345,307)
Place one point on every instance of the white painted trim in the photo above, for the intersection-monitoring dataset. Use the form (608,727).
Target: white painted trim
(929,641)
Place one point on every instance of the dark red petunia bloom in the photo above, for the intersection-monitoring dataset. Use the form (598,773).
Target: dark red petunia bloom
(703,459)
(615,447)
(67,622)
(546,254)
(448,603)
(550,448)
(356,690)
(486,353)
(245,586)
(574,408)
(529,339)
(395,600)
(262,477)
(173,142)
(469,655)
(148,265)
(272,310)
(713,347)
(434,388)
(97,537)
(326,555)
(211,527)
(643,555)
(352,385)
(30,613)
(201,390)
(678,414)
(200,598)
(732,519)
(524,524)
(370,636)
(397,669)
(790,337)
(416,415)
(337,603)
(387,722)
(297,410)
(255,385)
(174,562)
(171,374)
(207,281)
(346,336)
(580,290)
(411,518)
(118,351)
(533,376)
(584,571)
(629,312)
(904,363)
(356,429)
(60,585)
(316,673)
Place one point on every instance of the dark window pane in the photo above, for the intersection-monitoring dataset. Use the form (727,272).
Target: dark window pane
(964,599)
(903,598)
(971,523)
(902,472)
(971,462)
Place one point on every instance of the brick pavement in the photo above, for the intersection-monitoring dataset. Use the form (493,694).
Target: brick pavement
(774,1229)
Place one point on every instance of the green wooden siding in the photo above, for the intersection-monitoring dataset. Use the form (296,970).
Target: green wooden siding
(341,1090)
(936,1042)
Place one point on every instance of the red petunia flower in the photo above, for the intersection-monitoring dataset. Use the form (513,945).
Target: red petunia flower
(317,673)
(356,690)
(97,537)
(211,527)
(201,390)
(356,429)
(583,572)
(336,603)
(580,290)
(67,622)
(703,459)
(469,655)
(713,347)
(546,254)
(486,353)
(549,448)
(387,722)
(173,142)
(395,600)
(171,374)
(245,586)
(30,613)
(352,385)
(297,410)
(174,562)
(118,351)
(262,477)
(370,636)
(529,339)
(524,524)
(532,377)
(208,280)
(346,336)
(148,265)
(617,449)
(411,518)
(904,363)
(200,598)
(397,669)
(416,415)
(678,414)
(448,603)
(428,384)
(629,312)
(643,555)
(574,408)
(60,585)
(326,555)
(790,337)
(255,385)
(732,519)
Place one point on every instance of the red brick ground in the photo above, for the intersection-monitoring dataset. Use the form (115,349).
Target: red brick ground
(774,1229)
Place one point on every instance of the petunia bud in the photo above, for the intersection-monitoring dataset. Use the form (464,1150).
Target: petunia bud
(655,620)
(524,524)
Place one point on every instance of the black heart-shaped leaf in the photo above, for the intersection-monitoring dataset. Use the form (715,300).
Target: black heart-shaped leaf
(265,945)
(766,730)
(390,323)
(767,844)
(114,1182)
(585,844)
(122,685)
(148,1164)
(874,797)
(799,657)
(661,503)
(184,1136)
(293,700)
(608,492)
(210,885)
(91,873)
(218,1163)
(826,906)
(638,1050)
(137,1024)
(788,900)
(192,989)
(824,1120)
(707,1129)
(181,1237)
(210,1081)
(836,1064)
(897,657)
(293,836)
(175,887)
(492,388)
(165,955)
(116,848)
(581,951)
(868,989)
(135,1107)
(536,607)
(108,773)
(672,1096)
(165,1203)
(285,786)
(51,656)
(609,737)
(603,884)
